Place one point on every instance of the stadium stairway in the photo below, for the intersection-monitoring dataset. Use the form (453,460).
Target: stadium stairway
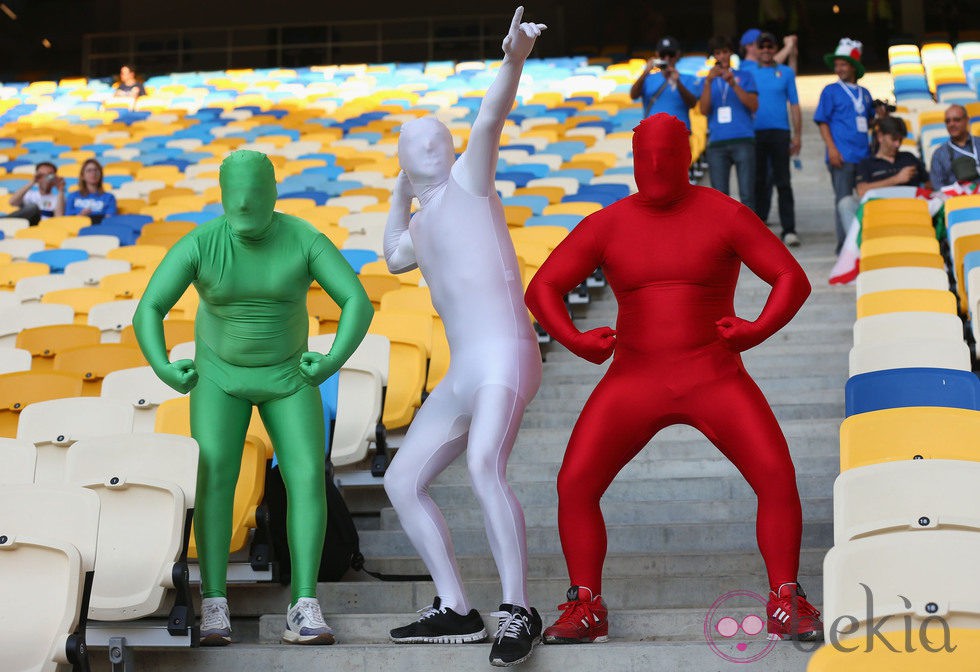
(681,519)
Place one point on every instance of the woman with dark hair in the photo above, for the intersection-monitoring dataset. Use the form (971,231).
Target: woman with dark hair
(91,198)
(129,86)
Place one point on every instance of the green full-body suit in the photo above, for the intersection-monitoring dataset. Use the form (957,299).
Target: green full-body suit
(252,268)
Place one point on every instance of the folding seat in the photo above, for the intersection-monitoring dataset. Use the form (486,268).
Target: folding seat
(553,194)
(899,388)
(439,360)
(174,331)
(323,309)
(56,260)
(12,273)
(903,259)
(852,653)
(905,300)
(13,320)
(357,258)
(31,289)
(549,236)
(904,326)
(139,256)
(410,278)
(926,576)
(911,277)
(147,491)
(143,390)
(11,225)
(50,237)
(173,417)
(377,286)
(123,234)
(412,299)
(94,245)
(80,299)
(895,244)
(91,363)
(67,223)
(127,285)
(43,343)
(906,495)
(961,246)
(909,352)
(14,359)
(20,248)
(406,324)
(48,541)
(92,271)
(112,317)
(907,433)
(21,389)
(55,424)
(172,229)
(582,208)
(516,215)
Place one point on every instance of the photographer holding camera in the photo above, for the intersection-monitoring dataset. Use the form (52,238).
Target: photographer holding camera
(37,204)
(671,92)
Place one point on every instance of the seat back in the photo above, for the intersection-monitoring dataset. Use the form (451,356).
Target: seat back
(904,326)
(358,413)
(91,363)
(92,271)
(34,287)
(128,285)
(146,486)
(897,388)
(17,461)
(48,541)
(906,495)
(14,359)
(112,317)
(174,332)
(54,425)
(142,389)
(21,389)
(45,342)
(927,352)
(81,300)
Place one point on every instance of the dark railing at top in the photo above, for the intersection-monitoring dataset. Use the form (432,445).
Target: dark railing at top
(286,45)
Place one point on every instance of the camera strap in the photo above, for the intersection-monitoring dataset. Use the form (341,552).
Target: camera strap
(654,98)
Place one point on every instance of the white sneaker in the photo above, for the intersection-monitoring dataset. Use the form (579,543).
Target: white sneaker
(215,622)
(305,625)
(791,239)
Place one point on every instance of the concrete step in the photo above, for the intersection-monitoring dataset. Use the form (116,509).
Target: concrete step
(728,563)
(556,397)
(631,513)
(631,592)
(615,656)
(782,411)
(662,538)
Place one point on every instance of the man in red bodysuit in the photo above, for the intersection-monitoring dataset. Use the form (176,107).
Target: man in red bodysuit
(671,254)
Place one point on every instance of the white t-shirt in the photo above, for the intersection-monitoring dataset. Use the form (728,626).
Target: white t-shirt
(46,203)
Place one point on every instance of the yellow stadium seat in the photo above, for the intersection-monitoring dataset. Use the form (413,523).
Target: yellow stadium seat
(516,215)
(584,208)
(52,237)
(597,167)
(174,332)
(553,194)
(68,223)
(91,363)
(156,195)
(406,325)
(410,299)
(411,278)
(377,286)
(186,306)
(889,207)
(168,228)
(896,244)
(173,417)
(958,203)
(909,433)
(81,300)
(164,240)
(852,654)
(45,342)
(323,309)
(19,390)
(548,236)
(129,285)
(904,300)
(900,259)
(140,257)
(439,362)
(17,270)
(963,245)
(166,174)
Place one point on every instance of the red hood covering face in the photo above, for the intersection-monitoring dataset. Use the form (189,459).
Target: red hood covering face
(661,158)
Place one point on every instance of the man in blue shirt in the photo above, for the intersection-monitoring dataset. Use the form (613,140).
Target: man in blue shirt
(671,92)
(728,100)
(844,114)
(773,142)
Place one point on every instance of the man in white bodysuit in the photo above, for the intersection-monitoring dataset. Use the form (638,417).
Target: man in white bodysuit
(460,242)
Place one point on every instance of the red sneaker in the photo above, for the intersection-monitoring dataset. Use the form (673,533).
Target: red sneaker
(583,620)
(791,616)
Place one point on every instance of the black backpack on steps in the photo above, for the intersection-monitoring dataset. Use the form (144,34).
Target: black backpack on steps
(341,545)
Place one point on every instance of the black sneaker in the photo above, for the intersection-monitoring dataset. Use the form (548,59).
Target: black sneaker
(441,625)
(517,631)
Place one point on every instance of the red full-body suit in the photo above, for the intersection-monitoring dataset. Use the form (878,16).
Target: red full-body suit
(671,254)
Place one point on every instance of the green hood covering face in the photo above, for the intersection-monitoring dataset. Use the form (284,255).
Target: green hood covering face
(248,193)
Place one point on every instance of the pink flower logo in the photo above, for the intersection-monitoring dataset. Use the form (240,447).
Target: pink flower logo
(735,625)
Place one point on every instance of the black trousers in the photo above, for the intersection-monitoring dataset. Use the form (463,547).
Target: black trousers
(772,170)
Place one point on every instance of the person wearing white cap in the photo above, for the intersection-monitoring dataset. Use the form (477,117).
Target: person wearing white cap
(671,92)
(843,115)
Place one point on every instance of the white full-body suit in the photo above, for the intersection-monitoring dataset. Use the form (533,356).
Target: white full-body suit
(460,242)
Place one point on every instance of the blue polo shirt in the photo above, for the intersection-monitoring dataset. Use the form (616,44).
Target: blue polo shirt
(670,100)
(837,109)
(741,125)
(98,205)
(777,86)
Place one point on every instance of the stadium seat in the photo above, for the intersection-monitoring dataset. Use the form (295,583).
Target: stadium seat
(909,352)
(56,260)
(31,289)
(412,299)
(898,388)
(128,285)
(141,388)
(43,343)
(91,363)
(21,389)
(12,273)
(94,245)
(903,259)
(377,286)
(904,326)
(15,319)
(112,317)
(901,278)
(852,654)
(411,278)
(47,556)
(906,495)
(905,300)
(55,424)
(139,256)
(81,300)
(92,271)
(18,459)
(174,332)
(147,491)
(14,359)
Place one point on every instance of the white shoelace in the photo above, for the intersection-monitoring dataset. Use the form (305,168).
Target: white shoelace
(311,613)
(214,617)
(509,625)
(429,611)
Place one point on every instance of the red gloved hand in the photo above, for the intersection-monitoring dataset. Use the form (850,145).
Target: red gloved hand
(596,345)
(738,334)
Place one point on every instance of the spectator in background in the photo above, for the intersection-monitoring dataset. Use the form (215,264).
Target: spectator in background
(959,159)
(843,115)
(670,92)
(889,167)
(129,86)
(91,199)
(773,142)
(750,50)
(38,200)
(728,100)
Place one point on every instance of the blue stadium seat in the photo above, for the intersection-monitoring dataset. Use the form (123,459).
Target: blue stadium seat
(567,221)
(126,235)
(58,259)
(899,388)
(196,217)
(536,203)
(133,222)
(357,258)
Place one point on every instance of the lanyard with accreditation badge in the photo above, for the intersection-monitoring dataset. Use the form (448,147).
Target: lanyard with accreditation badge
(972,155)
(860,121)
(724,110)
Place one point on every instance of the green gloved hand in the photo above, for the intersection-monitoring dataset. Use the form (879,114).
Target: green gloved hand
(180,375)
(316,367)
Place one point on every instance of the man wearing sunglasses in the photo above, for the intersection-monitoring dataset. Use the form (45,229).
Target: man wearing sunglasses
(774,143)
(957,159)
(670,92)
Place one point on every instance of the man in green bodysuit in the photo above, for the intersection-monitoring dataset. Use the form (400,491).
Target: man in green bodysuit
(252,268)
